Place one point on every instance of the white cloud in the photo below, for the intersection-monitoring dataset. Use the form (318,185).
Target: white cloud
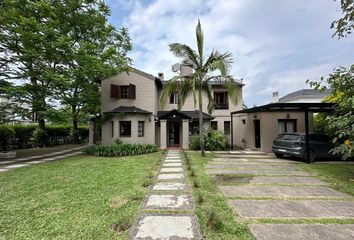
(276,44)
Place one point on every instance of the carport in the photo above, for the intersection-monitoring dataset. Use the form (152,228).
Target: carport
(306,108)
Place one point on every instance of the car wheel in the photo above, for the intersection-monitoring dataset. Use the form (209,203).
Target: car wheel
(312,156)
(279,155)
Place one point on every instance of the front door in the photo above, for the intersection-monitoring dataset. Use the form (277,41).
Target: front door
(173,134)
(257,133)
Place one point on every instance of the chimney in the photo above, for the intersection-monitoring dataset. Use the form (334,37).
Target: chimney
(160,75)
(275,97)
(186,70)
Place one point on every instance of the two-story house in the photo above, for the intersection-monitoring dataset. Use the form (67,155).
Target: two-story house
(141,119)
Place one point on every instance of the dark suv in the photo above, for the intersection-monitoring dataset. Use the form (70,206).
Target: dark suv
(293,144)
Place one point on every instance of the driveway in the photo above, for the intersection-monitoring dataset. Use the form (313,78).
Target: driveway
(279,199)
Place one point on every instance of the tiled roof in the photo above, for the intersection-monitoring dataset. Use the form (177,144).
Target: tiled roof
(128,109)
(308,93)
(189,114)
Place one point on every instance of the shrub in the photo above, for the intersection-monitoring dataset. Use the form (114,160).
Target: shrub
(6,134)
(23,134)
(120,150)
(118,141)
(213,141)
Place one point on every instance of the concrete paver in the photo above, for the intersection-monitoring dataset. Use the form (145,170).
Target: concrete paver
(282,191)
(176,227)
(170,176)
(169,202)
(303,231)
(169,186)
(171,170)
(172,165)
(293,208)
(259,172)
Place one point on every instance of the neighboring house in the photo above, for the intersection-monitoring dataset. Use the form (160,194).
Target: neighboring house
(257,127)
(305,96)
(135,97)
(8,115)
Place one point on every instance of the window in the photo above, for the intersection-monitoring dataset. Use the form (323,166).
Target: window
(221,100)
(286,126)
(125,128)
(174,98)
(227,127)
(141,128)
(214,125)
(123,91)
(112,128)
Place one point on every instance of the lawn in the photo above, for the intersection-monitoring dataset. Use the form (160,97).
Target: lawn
(339,175)
(82,197)
(216,217)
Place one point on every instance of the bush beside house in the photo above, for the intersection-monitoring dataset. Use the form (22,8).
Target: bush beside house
(213,140)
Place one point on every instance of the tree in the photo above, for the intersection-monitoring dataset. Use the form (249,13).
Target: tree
(27,37)
(197,83)
(341,122)
(92,50)
(345,24)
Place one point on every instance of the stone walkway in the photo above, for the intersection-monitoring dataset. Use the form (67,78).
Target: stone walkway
(261,187)
(167,212)
(6,165)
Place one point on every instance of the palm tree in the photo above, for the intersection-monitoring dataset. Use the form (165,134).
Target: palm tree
(198,83)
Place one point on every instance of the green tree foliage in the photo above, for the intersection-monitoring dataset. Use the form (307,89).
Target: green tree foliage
(344,25)
(61,50)
(92,50)
(341,122)
(197,84)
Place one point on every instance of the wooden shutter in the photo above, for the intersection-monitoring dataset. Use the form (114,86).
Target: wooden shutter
(132,91)
(114,91)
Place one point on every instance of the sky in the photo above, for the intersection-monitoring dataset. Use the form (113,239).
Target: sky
(276,45)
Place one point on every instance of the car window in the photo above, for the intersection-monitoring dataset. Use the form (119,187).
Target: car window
(314,137)
(293,137)
(325,138)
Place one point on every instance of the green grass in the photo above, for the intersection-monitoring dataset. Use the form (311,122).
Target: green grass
(339,175)
(217,219)
(81,197)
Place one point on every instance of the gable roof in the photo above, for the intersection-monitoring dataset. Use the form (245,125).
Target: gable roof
(188,114)
(306,93)
(128,109)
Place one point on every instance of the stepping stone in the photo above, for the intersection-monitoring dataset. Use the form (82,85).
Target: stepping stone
(170,176)
(7,162)
(303,231)
(293,208)
(259,172)
(173,161)
(175,227)
(172,165)
(3,170)
(169,202)
(16,166)
(171,170)
(169,186)
(282,191)
(177,157)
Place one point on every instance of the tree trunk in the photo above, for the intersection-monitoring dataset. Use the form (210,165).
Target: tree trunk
(43,140)
(201,125)
(75,132)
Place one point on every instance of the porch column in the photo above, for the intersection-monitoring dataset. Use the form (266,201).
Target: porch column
(185,133)
(163,133)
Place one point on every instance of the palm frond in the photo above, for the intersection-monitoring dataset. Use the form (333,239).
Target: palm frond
(206,88)
(185,90)
(200,41)
(233,89)
(185,52)
(218,61)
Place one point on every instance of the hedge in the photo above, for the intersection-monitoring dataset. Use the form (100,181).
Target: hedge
(6,133)
(120,150)
(58,134)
